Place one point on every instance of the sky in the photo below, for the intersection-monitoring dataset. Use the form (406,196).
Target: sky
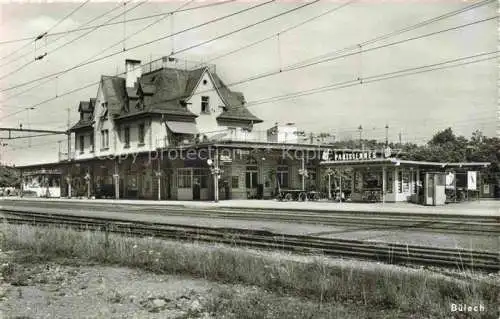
(415,106)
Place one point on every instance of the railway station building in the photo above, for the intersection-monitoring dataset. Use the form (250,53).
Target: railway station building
(382,177)
(169,131)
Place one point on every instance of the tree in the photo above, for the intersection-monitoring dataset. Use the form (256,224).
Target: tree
(9,177)
(443,137)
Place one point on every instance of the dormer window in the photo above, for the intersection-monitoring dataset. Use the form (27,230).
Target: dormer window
(205,105)
(104,113)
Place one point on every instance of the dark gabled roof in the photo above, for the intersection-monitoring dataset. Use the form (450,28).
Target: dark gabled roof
(235,103)
(82,124)
(85,107)
(163,92)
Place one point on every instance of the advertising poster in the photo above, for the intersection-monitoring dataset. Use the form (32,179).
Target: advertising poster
(450,180)
(472,180)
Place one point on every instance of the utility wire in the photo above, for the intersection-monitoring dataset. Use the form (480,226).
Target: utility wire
(150,42)
(267,74)
(115,23)
(39,37)
(402,30)
(64,34)
(130,36)
(281,32)
(67,43)
(305,65)
(380,77)
(300,63)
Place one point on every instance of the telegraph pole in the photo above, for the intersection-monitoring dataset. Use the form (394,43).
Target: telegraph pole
(360,128)
(400,144)
(386,135)
(303,173)
(69,134)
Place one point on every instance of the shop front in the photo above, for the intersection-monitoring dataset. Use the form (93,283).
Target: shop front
(377,177)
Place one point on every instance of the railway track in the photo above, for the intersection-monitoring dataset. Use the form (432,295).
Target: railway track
(384,252)
(473,225)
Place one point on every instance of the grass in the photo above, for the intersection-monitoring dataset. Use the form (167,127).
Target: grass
(377,291)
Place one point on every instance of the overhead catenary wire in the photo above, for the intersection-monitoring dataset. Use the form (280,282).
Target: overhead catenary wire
(113,23)
(164,15)
(153,41)
(44,34)
(380,77)
(64,35)
(69,42)
(401,31)
(286,30)
(290,68)
(284,70)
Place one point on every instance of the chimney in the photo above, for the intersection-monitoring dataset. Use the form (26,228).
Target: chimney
(133,71)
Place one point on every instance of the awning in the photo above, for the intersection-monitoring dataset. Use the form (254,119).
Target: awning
(182,127)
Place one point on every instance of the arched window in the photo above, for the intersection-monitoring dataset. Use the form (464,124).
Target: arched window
(251,161)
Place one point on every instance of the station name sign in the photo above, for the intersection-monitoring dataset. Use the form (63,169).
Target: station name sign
(330,155)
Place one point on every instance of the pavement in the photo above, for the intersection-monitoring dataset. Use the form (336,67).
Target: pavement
(476,208)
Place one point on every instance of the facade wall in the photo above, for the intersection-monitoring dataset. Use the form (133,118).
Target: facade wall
(206,122)
(88,148)
(103,124)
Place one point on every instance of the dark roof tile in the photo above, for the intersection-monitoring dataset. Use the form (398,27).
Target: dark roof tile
(82,124)
(164,89)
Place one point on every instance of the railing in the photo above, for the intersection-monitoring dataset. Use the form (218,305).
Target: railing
(175,63)
(238,136)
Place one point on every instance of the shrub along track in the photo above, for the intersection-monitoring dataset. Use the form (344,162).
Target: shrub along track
(385,252)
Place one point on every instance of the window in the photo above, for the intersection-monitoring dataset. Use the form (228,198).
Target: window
(390,181)
(311,178)
(205,105)
(235,182)
(92,142)
(82,143)
(126,133)
(251,177)
(104,110)
(400,181)
(141,134)
(282,176)
(104,139)
(184,178)
(406,182)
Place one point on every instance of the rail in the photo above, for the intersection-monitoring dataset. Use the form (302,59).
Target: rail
(386,252)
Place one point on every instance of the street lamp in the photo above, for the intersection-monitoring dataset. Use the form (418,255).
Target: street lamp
(215,171)
(329,172)
(87,179)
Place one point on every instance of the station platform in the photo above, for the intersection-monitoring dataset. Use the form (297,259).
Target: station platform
(475,208)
